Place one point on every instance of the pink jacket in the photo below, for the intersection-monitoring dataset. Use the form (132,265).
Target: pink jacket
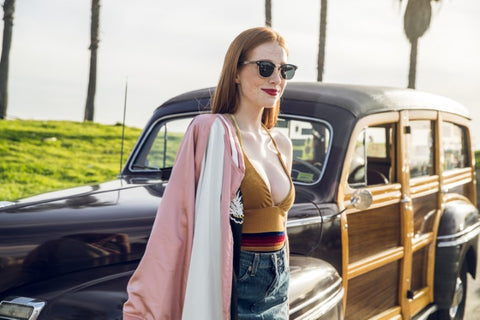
(157,288)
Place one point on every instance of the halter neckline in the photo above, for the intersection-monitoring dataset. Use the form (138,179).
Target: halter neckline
(279,155)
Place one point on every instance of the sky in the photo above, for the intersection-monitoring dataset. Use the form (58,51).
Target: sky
(164,48)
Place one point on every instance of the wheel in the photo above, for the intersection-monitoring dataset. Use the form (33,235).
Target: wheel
(457,308)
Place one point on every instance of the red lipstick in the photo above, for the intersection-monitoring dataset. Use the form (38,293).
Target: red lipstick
(272,92)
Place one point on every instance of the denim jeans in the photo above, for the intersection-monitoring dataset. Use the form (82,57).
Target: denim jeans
(263,285)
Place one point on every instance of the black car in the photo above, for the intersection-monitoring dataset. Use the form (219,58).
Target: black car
(384,223)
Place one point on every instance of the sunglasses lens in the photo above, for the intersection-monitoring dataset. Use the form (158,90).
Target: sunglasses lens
(288,71)
(265,68)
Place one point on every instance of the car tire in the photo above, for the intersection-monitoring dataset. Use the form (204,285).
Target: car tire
(457,308)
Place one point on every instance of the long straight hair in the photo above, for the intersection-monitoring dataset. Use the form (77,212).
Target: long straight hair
(225,98)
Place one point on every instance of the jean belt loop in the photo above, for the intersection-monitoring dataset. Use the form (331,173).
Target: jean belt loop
(256,261)
(274,257)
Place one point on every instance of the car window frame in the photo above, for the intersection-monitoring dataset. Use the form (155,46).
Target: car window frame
(159,122)
(327,124)
(464,148)
(361,129)
(412,154)
(344,189)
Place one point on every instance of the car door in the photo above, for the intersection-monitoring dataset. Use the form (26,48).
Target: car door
(389,248)
(375,244)
(422,207)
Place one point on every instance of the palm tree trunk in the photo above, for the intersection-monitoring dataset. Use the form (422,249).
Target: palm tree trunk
(268,13)
(412,72)
(8,10)
(322,39)
(416,22)
(92,79)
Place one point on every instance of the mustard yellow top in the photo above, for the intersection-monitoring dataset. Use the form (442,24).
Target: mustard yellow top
(264,223)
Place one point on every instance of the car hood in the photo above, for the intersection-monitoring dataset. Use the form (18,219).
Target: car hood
(75,229)
(81,196)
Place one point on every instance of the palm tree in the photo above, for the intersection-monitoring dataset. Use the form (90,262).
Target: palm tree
(268,13)
(322,39)
(415,23)
(92,80)
(8,10)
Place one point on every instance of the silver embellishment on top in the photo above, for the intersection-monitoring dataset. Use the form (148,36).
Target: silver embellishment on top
(236,208)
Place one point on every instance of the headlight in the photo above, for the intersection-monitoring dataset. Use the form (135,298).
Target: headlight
(20,308)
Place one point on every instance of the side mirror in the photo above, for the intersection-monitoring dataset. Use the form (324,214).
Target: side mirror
(362,199)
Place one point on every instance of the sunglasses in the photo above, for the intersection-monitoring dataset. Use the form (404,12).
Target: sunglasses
(266,68)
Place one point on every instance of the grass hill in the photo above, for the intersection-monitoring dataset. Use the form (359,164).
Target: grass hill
(40,156)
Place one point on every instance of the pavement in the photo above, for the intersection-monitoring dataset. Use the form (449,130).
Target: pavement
(472,311)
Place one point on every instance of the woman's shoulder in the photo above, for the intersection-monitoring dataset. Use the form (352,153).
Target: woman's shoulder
(204,122)
(282,141)
(205,119)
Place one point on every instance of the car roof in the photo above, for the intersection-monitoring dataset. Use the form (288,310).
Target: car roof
(360,100)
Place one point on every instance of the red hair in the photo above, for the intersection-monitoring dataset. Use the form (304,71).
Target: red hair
(225,98)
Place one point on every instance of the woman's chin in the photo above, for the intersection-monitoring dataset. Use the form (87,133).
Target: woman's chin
(270,103)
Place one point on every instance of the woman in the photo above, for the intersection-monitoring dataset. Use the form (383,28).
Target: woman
(200,242)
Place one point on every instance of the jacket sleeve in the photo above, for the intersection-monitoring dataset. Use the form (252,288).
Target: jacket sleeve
(156,290)
(203,297)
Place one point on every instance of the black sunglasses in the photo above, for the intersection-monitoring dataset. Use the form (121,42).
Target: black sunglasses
(266,68)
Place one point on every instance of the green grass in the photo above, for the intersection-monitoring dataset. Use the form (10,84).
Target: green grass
(40,156)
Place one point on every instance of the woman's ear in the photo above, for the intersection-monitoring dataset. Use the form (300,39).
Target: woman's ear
(237,79)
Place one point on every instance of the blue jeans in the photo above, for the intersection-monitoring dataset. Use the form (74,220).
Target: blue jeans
(263,285)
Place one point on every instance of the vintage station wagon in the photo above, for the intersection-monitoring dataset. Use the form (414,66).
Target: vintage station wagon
(384,225)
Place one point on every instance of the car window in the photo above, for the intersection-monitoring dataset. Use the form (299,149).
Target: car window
(421,148)
(373,159)
(311,142)
(454,146)
(160,148)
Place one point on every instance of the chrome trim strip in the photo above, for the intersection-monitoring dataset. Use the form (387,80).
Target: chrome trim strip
(4,204)
(331,217)
(323,307)
(427,313)
(303,222)
(459,237)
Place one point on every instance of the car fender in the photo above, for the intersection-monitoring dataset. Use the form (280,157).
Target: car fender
(102,298)
(94,294)
(456,244)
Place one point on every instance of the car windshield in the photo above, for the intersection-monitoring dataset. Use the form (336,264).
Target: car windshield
(311,140)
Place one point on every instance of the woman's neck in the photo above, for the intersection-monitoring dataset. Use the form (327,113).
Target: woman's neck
(248,119)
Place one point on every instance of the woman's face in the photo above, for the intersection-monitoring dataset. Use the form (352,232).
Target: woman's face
(258,91)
